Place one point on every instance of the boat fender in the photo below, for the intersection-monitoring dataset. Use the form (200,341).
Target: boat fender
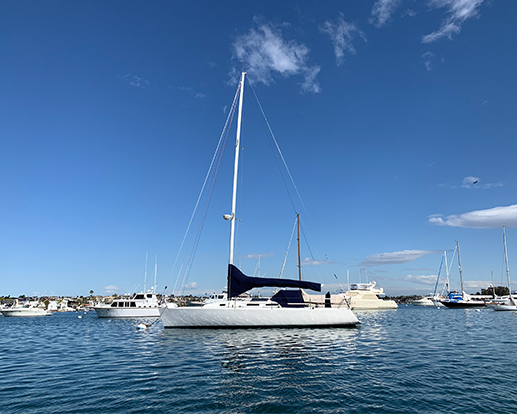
(328,303)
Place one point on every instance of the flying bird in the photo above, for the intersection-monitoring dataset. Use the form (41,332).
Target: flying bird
(475,182)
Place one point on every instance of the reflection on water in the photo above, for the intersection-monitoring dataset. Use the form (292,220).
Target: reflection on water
(409,360)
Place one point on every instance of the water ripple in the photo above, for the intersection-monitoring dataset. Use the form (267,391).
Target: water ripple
(409,360)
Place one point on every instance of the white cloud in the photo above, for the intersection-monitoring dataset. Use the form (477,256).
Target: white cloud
(382,11)
(404,256)
(135,81)
(476,284)
(309,262)
(111,289)
(409,12)
(310,84)
(428,60)
(265,53)
(422,279)
(473,182)
(256,256)
(482,219)
(469,181)
(191,285)
(342,35)
(197,95)
(458,11)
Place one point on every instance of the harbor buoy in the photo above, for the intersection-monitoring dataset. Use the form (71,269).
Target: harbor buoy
(80,317)
(141,326)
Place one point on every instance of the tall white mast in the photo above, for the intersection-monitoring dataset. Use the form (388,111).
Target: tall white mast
(235,168)
(155,269)
(299,262)
(145,274)
(507,269)
(459,266)
(446,272)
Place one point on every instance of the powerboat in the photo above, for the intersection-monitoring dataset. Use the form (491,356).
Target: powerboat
(425,301)
(430,300)
(365,296)
(25,309)
(140,305)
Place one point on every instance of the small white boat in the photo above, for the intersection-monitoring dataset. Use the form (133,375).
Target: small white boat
(140,305)
(425,301)
(502,307)
(25,309)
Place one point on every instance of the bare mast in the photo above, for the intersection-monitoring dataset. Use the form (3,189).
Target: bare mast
(507,268)
(235,169)
(459,266)
(299,261)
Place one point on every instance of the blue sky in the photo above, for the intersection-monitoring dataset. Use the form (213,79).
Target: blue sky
(396,119)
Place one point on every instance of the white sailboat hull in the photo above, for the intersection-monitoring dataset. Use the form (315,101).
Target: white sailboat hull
(503,307)
(242,317)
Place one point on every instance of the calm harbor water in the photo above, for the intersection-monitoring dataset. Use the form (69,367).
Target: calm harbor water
(409,360)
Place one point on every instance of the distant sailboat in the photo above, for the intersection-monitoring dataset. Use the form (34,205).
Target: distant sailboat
(509,305)
(249,313)
(434,299)
(462,300)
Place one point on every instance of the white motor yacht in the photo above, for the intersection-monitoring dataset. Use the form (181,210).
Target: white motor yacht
(366,296)
(425,301)
(140,305)
(25,309)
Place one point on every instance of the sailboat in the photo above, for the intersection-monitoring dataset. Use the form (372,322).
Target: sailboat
(285,309)
(434,298)
(463,300)
(510,305)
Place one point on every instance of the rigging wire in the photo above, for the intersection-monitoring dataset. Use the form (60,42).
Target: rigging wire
(217,150)
(279,152)
(288,247)
(286,168)
(203,217)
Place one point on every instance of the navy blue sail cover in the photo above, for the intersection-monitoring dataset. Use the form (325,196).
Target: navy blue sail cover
(289,298)
(239,283)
